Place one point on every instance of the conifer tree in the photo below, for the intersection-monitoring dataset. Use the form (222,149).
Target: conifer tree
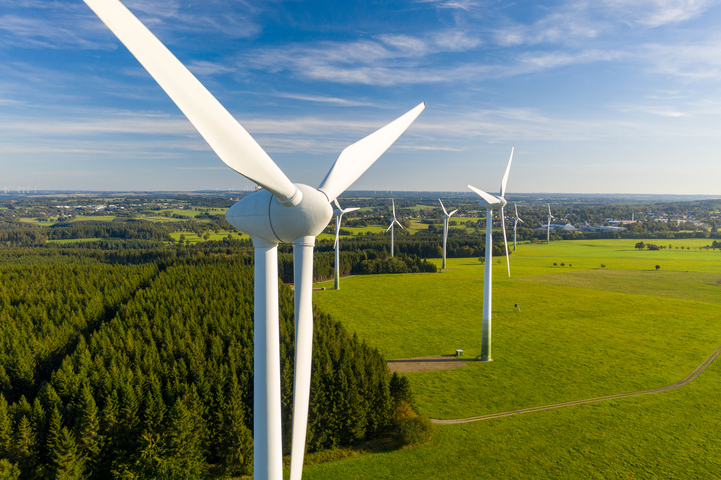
(237,438)
(68,462)
(184,443)
(90,441)
(55,425)
(39,421)
(24,447)
(154,409)
(5,428)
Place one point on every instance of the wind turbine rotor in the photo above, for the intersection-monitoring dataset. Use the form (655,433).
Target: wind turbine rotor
(281,212)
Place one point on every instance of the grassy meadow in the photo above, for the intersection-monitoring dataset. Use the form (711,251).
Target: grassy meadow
(583,331)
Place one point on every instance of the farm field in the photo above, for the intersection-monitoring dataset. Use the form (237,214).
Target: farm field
(583,331)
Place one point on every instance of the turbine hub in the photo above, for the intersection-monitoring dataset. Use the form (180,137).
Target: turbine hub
(261,215)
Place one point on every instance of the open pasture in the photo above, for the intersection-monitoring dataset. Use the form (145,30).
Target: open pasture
(583,331)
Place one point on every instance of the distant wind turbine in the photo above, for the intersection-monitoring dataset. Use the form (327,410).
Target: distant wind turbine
(393,222)
(516,219)
(491,203)
(280,212)
(338,212)
(550,217)
(446,219)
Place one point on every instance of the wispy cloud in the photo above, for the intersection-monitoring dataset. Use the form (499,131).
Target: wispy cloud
(686,59)
(24,32)
(655,13)
(465,5)
(341,102)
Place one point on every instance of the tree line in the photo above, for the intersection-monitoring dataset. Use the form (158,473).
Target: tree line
(163,386)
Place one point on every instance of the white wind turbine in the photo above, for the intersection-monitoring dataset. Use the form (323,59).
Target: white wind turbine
(491,204)
(338,212)
(516,219)
(393,223)
(281,212)
(548,229)
(446,219)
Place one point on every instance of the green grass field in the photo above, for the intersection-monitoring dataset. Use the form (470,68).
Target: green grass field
(583,331)
(193,238)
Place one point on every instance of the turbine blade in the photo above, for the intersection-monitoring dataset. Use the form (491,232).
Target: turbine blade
(303,279)
(516,207)
(394,208)
(505,241)
(444,208)
(357,158)
(235,147)
(390,226)
(351,209)
(549,210)
(490,199)
(505,175)
(335,200)
(339,218)
(451,214)
(399,224)
(519,219)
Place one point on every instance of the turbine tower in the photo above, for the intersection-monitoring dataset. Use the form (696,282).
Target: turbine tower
(280,212)
(393,223)
(446,219)
(548,229)
(491,203)
(338,212)
(516,219)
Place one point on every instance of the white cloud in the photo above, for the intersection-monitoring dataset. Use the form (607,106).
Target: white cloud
(465,5)
(326,100)
(655,13)
(690,60)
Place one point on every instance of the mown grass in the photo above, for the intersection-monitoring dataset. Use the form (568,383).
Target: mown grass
(220,235)
(583,331)
(671,435)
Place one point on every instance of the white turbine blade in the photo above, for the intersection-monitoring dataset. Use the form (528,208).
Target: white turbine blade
(335,200)
(505,241)
(394,208)
(519,219)
(516,207)
(351,209)
(444,208)
(399,224)
(223,133)
(549,210)
(490,199)
(505,175)
(451,214)
(337,234)
(391,225)
(357,158)
(303,279)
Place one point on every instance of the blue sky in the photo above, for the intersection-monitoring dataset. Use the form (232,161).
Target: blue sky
(602,96)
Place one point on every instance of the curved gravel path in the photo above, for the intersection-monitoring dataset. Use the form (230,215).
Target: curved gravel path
(692,376)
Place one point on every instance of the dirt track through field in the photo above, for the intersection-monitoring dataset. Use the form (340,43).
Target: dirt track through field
(691,377)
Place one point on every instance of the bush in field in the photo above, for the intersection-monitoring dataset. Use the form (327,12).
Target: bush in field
(415,430)
(411,427)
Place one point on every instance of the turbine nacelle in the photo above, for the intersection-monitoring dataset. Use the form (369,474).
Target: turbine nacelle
(262,215)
